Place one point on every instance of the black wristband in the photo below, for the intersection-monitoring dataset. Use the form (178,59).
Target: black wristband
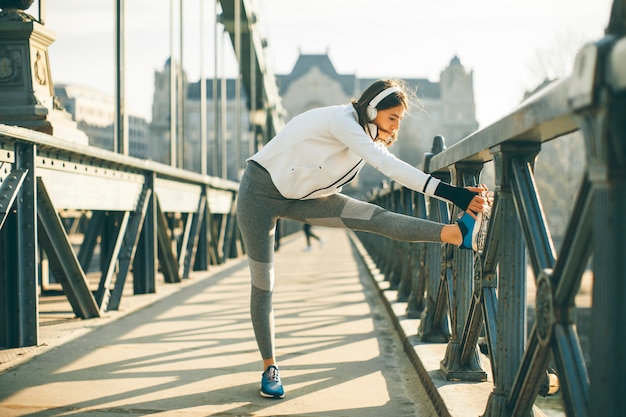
(460,197)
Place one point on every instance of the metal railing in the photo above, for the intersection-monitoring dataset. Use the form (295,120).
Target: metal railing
(137,214)
(461,294)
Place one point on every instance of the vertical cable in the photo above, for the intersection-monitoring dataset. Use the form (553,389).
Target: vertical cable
(203,122)
(120,133)
(173,121)
(237,133)
(216,118)
(224,109)
(181,93)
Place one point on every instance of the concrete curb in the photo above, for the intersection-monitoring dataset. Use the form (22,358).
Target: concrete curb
(450,398)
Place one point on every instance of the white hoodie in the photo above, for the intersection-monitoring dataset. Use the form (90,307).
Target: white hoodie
(319,151)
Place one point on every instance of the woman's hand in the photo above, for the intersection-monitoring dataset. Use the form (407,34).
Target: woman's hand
(481,200)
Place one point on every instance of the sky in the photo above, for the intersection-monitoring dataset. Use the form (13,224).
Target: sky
(509,45)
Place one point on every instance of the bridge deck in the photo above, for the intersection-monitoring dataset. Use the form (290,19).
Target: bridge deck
(189,349)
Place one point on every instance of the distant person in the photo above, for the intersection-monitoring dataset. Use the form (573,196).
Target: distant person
(308,234)
(277,236)
(299,175)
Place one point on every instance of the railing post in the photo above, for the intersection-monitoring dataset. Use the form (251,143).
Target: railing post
(604,127)
(145,264)
(28,275)
(202,253)
(434,325)
(511,320)
(419,255)
(18,284)
(394,269)
(408,249)
(462,265)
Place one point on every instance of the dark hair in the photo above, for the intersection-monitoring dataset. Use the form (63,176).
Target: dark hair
(398,98)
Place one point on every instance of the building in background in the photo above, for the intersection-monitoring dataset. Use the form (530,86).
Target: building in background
(94,113)
(448,110)
(221,152)
(448,106)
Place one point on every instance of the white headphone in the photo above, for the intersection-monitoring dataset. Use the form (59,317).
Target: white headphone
(371,107)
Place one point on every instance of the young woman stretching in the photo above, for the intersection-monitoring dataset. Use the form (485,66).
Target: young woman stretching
(299,175)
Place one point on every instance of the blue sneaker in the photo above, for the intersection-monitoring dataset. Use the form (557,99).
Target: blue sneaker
(466,224)
(271,387)
(474,231)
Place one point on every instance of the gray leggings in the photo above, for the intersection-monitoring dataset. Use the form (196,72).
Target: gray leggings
(260,205)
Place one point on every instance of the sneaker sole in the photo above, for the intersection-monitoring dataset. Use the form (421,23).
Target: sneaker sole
(277,397)
(479,234)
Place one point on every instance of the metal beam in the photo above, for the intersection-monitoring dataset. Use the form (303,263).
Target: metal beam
(192,240)
(104,288)
(9,190)
(167,257)
(63,261)
(131,241)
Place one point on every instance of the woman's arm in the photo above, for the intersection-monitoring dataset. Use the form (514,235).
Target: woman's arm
(348,131)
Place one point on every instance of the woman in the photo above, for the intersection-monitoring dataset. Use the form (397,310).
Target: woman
(299,175)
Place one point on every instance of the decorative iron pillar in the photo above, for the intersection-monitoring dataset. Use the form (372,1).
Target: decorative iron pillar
(608,328)
(434,327)
(463,174)
(511,322)
(600,102)
(408,250)
(419,253)
(393,269)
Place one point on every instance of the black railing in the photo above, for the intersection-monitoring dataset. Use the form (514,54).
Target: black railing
(135,214)
(461,295)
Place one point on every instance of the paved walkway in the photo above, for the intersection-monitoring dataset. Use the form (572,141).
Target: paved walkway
(189,350)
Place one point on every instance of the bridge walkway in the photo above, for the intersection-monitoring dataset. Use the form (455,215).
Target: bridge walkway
(189,350)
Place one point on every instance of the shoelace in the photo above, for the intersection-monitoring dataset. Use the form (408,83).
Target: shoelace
(273,375)
(482,233)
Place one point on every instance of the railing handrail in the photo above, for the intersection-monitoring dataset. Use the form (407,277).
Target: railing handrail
(549,112)
(543,116)
(161,219)
(61,146)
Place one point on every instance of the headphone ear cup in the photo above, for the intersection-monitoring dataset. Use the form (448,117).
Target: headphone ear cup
(371,107)
(371,113)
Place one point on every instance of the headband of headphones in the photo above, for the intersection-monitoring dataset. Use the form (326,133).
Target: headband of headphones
(380,96)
